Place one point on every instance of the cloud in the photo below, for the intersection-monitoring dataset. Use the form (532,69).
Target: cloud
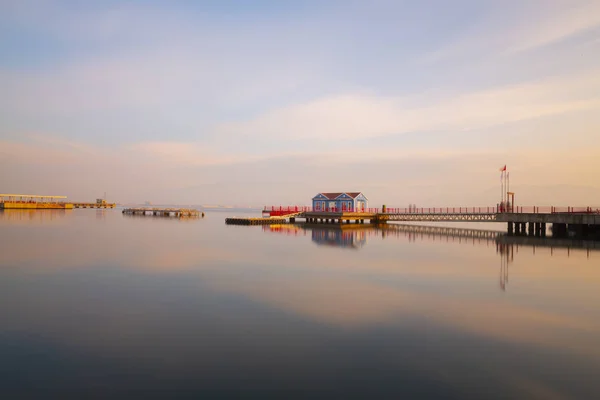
(557,25)
(509,30)
(187,154)
(197,173)
(355,304)
(359,116)
(243,104)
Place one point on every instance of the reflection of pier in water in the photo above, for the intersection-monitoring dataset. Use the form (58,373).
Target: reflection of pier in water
(440,233)
(27,215)
(355,236)
(345,234)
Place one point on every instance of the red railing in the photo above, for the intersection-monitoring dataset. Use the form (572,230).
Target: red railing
(554,210)
(287,210)
(439,210)
(281,211)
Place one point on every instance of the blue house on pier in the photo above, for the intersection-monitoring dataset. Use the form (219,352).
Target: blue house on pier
(340,202)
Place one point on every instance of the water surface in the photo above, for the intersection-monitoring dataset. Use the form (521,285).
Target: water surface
(96,304)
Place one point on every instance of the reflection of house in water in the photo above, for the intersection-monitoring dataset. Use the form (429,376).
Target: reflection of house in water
(339,237)
(347,236)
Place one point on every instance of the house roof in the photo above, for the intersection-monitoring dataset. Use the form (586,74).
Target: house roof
(335,195)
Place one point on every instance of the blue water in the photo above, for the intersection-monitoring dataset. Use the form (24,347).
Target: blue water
(96,304)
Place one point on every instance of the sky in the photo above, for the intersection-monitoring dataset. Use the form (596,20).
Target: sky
(270,102)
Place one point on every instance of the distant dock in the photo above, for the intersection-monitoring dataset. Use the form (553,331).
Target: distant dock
(97,204)
(164,212)
(256,221)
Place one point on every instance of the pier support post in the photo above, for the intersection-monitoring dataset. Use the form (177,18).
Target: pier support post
(511,228)
(581,230)
(559,230)
(531,228)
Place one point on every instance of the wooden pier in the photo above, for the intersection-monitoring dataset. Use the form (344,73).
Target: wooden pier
(164,212)
(94,205)
(565,221)
(256,221)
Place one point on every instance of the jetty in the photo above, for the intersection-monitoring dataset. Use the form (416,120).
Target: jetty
(520,220)
(163,212)
(33,202)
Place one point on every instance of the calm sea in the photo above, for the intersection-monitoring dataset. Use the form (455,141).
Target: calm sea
(96,304)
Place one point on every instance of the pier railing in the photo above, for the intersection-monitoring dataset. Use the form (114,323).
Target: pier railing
(288,210)
(554,210)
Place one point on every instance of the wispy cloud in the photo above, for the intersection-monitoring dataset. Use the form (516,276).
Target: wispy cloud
(359,116)
(507,30)
(557,24)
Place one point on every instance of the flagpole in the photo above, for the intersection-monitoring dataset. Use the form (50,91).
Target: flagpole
(502,179)
(507,185)
(501,188)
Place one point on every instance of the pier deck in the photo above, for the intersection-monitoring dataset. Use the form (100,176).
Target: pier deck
(163,212)
(257,221)
(94,205)
(565,221)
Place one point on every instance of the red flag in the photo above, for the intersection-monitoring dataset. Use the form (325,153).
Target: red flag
(503,168)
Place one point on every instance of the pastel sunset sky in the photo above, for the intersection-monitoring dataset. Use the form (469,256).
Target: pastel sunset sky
(269,102)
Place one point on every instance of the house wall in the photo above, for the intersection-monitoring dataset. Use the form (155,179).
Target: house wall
(361,200)
(343,203)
